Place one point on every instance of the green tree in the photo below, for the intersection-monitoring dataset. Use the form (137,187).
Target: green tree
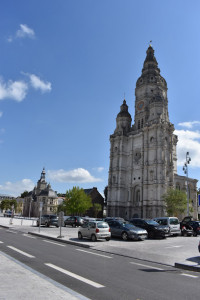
(7,204)
(175,201)
(24,194)
(76,202)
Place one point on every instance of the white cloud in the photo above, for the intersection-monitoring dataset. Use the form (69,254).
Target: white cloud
(24,32)
(189,124)
(15,90)
(99,169)
(188,141)
(16,188)
(38,84)
(77,175)
(1,114)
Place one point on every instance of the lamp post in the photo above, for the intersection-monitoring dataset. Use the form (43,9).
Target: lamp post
(185,170)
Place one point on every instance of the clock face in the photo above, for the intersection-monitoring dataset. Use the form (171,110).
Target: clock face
(140,105)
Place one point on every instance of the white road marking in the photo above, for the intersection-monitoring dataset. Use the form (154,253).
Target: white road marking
(95,284)
(29,236)
(94,253)
(54,243)
(11,231)
(20,251)
(174,246)
(146,266)
(188,275)
(1,242)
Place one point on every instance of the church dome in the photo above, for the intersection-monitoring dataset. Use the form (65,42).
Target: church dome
(124,110)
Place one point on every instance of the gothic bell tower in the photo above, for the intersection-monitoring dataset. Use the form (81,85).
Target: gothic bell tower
(143,154)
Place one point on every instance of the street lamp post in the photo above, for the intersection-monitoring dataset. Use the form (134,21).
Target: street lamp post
(185,170)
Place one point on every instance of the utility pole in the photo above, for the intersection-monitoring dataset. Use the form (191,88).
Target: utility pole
(185,170)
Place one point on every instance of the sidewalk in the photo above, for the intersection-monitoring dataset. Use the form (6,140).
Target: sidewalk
(17,281)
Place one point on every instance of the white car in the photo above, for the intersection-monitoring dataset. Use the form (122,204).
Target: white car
(95,230)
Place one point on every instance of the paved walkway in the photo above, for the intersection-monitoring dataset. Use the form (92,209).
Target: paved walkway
(16,275)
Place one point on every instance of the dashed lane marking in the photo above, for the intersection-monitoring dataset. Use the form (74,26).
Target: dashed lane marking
(29,236)
(188,275)
(11,231)
(1,242)
(146,266)
(21,252)
(94,284)
(54,243)
(94,253)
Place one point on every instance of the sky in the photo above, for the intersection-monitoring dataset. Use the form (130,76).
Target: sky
(65,67)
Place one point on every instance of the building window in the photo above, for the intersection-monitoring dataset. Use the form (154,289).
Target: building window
(139,124)
(142,123)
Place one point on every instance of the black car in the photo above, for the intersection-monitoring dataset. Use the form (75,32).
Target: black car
(153,228)
(48,220)
(74,221)
(195,225)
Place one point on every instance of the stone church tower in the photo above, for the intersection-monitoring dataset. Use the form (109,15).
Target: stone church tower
(143,161)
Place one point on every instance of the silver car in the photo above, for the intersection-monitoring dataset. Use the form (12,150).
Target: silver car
(95,230)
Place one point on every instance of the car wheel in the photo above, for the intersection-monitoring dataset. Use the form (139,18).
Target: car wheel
(80,235)
(124,236)
(46,224)
(107,239)
(194,234)
(93,238)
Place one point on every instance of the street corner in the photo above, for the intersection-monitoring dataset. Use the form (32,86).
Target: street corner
(191,264)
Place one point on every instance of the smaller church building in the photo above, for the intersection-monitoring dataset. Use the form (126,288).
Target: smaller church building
(42,193)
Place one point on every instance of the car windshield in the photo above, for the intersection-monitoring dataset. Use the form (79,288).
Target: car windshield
(128,225)
(162,221)
(173,221)
(151,222)
(102,225)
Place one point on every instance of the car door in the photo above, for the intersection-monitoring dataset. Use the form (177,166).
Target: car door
(85,230)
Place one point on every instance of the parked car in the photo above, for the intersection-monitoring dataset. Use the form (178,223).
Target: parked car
(187,230)
(74,221)
(126,231)
(95,230)
(114,218)
(8,213)
(194,224)
(48,220)
(172,222)
(152,227)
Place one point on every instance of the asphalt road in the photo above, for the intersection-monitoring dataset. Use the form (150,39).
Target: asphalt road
(98,275)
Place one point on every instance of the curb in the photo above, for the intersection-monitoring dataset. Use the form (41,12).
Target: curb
(187,267)
(59,240)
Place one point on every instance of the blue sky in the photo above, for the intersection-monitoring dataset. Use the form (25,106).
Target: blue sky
(64,68)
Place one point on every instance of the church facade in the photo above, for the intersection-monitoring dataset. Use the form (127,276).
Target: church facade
(143,159)
(42,193)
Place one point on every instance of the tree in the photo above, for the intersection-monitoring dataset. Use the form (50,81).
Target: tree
(7,204)
(24,194)
(76,202)
(175,201)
